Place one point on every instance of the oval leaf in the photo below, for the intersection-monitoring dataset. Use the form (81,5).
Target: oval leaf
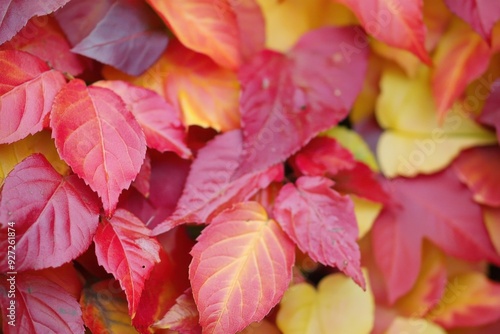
(301,93)
(157,118)
(209,188)
(27,90)
(322,223)
(54,217)
(41,306)
(242,265)
(99,138)
(125,248)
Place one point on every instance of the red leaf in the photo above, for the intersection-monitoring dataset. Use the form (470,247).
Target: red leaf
(54,217)
(228,31)
(143,179)
(209,188)
(478,169)
(480,14)
(15,14)
(437,207)
(99,138)
(158,119)
(27,89)
(125,248)
(491,111)
(183,316)
(242,265)
(42,37)
(40,306)
(398,24)
(322,223)
(301,92)
(125,34)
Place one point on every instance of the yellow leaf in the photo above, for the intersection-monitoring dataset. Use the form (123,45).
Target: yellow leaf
(353,142)
(405,59)
(287,21)
(366,212)
(338,306)
(413,326)
(12,154)
(414,142)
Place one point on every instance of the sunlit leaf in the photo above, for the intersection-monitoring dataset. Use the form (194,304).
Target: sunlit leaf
(183,316)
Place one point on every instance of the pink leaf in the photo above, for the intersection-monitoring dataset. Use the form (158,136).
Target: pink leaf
(125,248)
(54,217)
(27,89)
(322,223)
(183,316)
(99,138)
(242,265)
(15,13)
(301,92)
(159,120)
(209,188)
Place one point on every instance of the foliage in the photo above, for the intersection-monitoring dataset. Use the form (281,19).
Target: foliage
(250,166)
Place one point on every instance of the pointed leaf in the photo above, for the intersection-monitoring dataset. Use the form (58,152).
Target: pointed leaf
(398,24)
(14,153)
(125,248)
(183,316)
(478,168)
(55,217)
(300,92)
(226,30)
(322,223)
(15,13)
(242,265)
(40,306)
(157,118)
(336,305)
(27,89)
(125,34)
(42,37)
(209,188)
(480,14)
(471,300)
(104,309)
(99,138)
(461,57)
(437,207)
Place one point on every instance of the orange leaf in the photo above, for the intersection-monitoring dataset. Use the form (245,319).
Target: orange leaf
(242,265)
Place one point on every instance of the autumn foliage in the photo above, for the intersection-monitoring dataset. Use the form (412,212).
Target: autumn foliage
(250,166)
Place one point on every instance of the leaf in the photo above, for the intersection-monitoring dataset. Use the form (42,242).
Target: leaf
(104,309)
(15,14)
(40,142)
(262,327)
(157,118)
(480,15)
(228,31)
(413,325)
(27,89)
(42,37)
(414,142)
(337,304)
(478,168)
(437,207)
(40,306)
(183,316)
(125,34)
(54,217)
(99,138)
(300,92)
(366,212)
(322,224)
(461,57)
(209,188)
(471,300)
(491,111)
(242,265)
(125,248)
(205,93)
(394,23)
(143,180)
